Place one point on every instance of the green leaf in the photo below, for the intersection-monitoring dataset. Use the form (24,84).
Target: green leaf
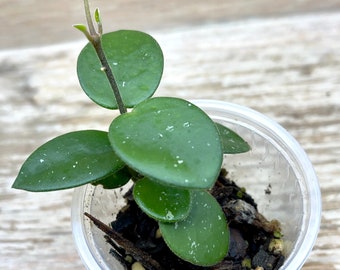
(163,203)
(232,143)
(203,237)
(118,179)
(97,16)
(169,140)
(136,60)
(70,160)
(81,27)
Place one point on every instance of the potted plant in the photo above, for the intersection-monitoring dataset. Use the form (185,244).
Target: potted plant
(173,150)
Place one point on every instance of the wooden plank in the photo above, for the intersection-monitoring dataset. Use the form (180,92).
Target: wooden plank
(37,22)
(287,68)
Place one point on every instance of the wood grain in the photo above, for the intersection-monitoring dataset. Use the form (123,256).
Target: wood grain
(287,68)
(35,22)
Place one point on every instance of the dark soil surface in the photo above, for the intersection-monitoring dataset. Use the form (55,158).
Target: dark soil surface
(254,241)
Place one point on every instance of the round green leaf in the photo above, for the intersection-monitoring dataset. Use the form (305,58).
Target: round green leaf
(136,60)
(232,143)
(70,160)
(163,203)
(203,237)
(169,140)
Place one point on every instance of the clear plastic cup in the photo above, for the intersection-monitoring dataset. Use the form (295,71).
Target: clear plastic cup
(276,172)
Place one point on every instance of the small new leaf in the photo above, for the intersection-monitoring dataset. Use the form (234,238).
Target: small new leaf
(81,28)
(97,16)
(98,21)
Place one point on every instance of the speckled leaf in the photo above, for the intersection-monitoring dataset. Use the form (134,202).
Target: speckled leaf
(169,140)
(163,203)
(136,60)
(232,143)
(70,160)
(203,237)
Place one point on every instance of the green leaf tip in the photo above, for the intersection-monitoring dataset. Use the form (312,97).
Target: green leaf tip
(98,21)
(97,16)
(80,27)
(232,143)
(83,28)
(68,161)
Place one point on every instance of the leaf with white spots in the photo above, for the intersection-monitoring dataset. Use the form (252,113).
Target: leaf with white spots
(163,203)
(203,237)
(67,161)
(136,60)
(169,140)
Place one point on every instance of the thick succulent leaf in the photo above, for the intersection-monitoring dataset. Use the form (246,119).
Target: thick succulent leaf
(169,140)
(163,203)
(118,179)
(70,160)
(232,143)
(136,60)
(203,237)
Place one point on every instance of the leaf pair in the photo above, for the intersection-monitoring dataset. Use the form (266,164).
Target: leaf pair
(192,222)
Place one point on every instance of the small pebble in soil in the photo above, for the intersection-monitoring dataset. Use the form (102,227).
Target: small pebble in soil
(137,266)
(276,246)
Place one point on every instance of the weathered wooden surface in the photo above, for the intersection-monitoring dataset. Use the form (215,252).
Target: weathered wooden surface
(286,68)
(35,22)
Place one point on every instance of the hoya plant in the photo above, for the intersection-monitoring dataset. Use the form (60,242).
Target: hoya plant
(167,146)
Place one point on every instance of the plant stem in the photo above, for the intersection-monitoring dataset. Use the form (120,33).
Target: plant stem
(97,44)
(95,39)
(89,18)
